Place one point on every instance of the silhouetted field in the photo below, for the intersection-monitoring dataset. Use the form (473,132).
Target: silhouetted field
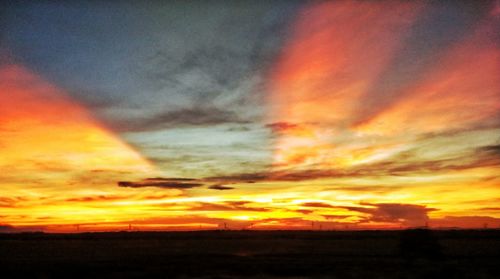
(253,254)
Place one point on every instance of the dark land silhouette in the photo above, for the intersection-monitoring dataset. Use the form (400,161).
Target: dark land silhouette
(417,253)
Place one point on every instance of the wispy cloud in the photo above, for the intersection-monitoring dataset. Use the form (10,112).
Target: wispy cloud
(96,198)
(444,25)
(201,115)
(391,166)
(318,204)
(227,206)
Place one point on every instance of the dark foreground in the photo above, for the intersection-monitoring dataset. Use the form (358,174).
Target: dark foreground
(251,254)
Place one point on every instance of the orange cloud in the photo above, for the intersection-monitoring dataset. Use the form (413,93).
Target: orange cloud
(459,91)
(43,129)
(336,50)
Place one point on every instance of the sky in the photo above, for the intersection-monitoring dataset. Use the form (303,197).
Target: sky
(187,115)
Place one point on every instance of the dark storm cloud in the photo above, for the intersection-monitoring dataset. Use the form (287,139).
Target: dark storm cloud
(442,24)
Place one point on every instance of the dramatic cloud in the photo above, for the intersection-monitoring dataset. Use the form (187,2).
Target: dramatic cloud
(215,61)
(393,166)
(268,115)
(444,25)
(394,213)
(334,54)
(407,214)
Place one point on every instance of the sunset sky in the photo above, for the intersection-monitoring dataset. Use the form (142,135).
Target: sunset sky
(181,115)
